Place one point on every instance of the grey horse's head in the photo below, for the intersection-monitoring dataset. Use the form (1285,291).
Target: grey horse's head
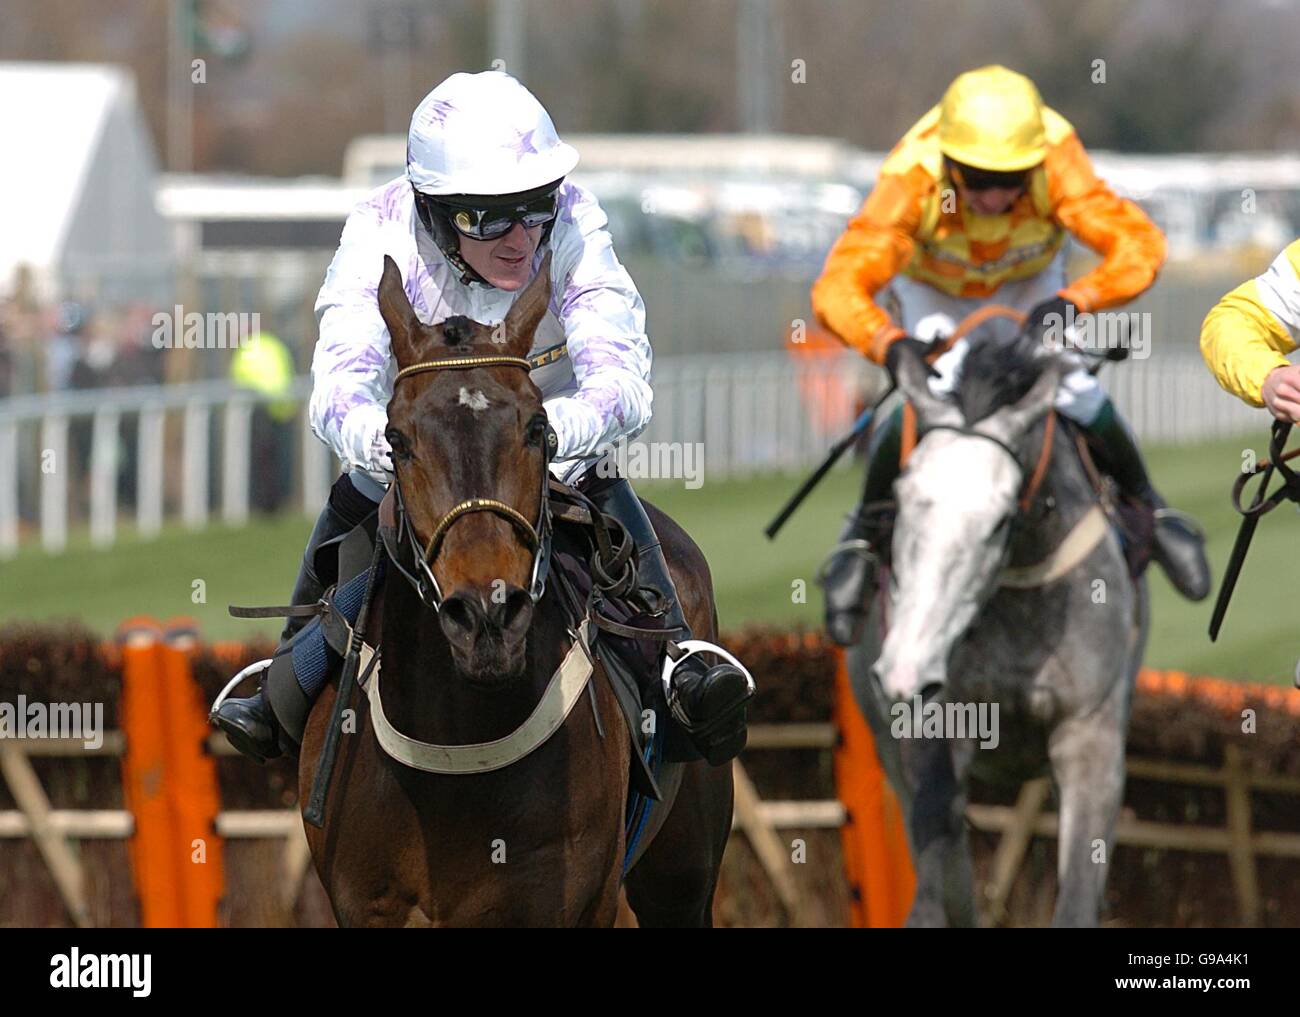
(956,500)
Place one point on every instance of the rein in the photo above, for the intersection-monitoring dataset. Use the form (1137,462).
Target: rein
(1260,505)
(1290,489)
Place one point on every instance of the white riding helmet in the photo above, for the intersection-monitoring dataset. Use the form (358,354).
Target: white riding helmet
(484,134)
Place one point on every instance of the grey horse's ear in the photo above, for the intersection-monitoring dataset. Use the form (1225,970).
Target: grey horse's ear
(913,382)
(1010,422)
(403,326)
(526,312)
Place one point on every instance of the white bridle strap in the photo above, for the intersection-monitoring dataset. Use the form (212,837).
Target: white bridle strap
(562,694)
(1086,534)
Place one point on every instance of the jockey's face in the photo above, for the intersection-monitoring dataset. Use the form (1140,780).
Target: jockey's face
(987,192)
(506,261)
(991,201)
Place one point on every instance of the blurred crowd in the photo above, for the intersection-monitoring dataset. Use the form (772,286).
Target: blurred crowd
(74,345)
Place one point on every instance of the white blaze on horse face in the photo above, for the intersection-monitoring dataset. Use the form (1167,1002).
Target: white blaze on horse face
(475,400)
(949,541)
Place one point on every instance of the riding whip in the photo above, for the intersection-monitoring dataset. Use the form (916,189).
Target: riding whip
(832,457)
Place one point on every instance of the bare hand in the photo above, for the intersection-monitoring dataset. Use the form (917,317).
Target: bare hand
(1282,393)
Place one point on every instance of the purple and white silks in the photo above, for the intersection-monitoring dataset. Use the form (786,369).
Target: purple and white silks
(599,394)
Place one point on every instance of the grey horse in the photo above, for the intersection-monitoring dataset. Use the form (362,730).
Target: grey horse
(1023,611)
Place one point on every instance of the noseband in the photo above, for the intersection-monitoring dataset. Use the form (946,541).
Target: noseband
(419,571)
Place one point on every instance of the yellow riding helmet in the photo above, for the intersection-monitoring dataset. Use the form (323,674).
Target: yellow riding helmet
(992,119)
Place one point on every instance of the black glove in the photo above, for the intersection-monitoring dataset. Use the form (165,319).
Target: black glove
(552,442)
(918,347)
(1038,321)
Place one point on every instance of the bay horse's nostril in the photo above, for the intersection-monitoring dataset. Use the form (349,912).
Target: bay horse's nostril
(461,619)
(514,615)
(465,617)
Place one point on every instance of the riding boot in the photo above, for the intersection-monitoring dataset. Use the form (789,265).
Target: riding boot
(1179,544)
(850,571)
(250,724)
(708,702)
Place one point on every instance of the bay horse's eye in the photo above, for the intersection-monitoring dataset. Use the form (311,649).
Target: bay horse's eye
(397,440)
(536,431)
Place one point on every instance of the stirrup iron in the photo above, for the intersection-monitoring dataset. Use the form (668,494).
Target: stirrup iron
(695,646)
(858,546)
(255,668)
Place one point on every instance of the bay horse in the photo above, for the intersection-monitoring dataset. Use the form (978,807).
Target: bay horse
(538,842)
(1009,591)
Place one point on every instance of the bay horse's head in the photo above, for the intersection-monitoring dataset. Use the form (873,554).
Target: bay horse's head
(957,498)
(468,434)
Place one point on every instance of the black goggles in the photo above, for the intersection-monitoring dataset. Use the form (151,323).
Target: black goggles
(490,221)
(974,179)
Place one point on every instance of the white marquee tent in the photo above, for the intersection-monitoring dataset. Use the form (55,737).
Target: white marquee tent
(77,185)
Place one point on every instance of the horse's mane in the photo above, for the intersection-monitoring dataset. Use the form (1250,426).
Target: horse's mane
(1000,367)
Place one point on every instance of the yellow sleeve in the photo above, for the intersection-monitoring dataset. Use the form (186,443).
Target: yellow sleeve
(1247,333)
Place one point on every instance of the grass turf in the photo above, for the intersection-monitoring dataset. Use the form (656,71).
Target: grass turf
(198,574)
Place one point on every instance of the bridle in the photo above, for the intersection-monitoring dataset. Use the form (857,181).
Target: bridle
(1032,480)
(405,543)
(1078,543)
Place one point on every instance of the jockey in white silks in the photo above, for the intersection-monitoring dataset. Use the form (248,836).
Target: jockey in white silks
(483,199)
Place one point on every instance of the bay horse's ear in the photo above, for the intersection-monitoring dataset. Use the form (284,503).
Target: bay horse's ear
(526,312)
(403,325)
